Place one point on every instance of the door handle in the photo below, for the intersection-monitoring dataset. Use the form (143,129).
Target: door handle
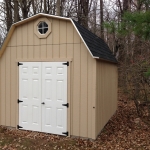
(43,103)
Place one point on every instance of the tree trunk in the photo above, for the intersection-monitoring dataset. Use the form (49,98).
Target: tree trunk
(9,20)
(58,8)
(101,19)
(16,11)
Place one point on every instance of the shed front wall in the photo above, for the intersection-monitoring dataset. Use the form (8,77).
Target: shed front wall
(63,44)
(107,93)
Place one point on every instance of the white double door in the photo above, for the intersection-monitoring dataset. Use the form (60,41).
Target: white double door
(43,91)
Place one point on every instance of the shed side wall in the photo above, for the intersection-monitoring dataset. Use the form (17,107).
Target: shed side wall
(107,93)
(62,44)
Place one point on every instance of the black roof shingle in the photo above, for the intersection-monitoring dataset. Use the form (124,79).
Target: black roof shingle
(95,44)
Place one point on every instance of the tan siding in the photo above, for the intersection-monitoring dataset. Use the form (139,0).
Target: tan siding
(13,40)
(43,51)
(37,52)
(19,36)
(30,52)
(13,87)
(69,32)
(0,91)
(94,71)
(56,51)
(90,96)
(76,38)
(63,50)
(3,89)
(76,91)
(63,31)
(84,98)
(25,35)
(107,82)
(8,73)
(31,35)
(24,51)
(19,52)
(62,44)
(70,51)
(49,51)
(43,42)
(56,32)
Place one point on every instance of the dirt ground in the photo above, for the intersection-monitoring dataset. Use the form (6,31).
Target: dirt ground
(125,131)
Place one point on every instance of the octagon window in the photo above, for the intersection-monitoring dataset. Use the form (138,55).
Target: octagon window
(42,27)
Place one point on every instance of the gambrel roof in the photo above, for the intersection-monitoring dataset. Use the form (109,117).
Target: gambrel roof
(95,45)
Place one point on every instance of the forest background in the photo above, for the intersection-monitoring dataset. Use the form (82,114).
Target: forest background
(123,24)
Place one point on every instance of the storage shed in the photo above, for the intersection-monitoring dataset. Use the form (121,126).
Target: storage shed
(56,77)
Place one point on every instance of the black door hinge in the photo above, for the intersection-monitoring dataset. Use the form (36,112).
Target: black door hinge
(20,63)
(66,133)
(67,63)
(19,127)
(67,105)
(19,101)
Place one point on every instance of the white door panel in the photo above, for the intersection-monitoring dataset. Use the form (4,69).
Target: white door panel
(43,90)
(54,85)
(30,94)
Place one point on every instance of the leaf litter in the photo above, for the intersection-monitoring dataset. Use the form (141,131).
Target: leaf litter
(124,131)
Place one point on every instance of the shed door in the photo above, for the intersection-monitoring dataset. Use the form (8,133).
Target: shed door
(30,93)
(54,95)
(43,90)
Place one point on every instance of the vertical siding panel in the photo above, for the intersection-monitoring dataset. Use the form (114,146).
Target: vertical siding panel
(8,73)
(31,35)
(13,39)
(25,35)
(69,51)
(69,54)
(13,87)
(36,40)
(56,51)
(63,51)
(49,39)
(63,31)
(106,83)
(3,90)
(49,51)
(0,90)
(69,32)
(19,52)
(101,92)
(25,52)
(76,91)
(76,36)
(19,35)
(89,92)
(43,51)
(84,98)
(56,32)
(37,52)
(30,52)
(94,100)
(43,41)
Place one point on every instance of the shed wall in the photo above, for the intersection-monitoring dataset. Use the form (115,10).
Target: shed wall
(63,44)
(107,93)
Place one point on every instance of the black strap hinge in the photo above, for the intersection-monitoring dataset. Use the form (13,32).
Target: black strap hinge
(20,63)
(19,127)
(66,133)
(19,101)
(67,105)
(67,63)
